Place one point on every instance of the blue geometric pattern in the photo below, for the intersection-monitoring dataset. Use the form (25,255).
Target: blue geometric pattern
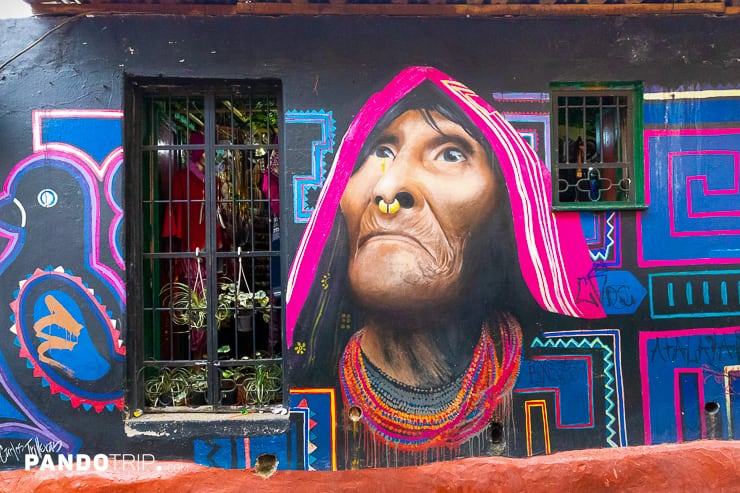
(303,183)
(612,374)
(695,294)
(569,378)
(603,236)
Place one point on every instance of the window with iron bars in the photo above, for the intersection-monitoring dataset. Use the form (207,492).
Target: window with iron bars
(596,128)
(204,285)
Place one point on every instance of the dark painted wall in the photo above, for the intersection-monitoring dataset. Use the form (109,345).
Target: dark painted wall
(331,66)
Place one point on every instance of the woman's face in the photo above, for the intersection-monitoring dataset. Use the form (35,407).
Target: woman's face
(412,208)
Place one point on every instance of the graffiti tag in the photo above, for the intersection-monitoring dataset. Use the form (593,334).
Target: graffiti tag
(699,349)
(33,446)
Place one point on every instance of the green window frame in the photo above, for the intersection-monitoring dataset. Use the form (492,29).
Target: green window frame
(597,150)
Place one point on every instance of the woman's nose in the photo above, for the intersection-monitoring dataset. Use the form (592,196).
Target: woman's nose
(394,191)
(402,200)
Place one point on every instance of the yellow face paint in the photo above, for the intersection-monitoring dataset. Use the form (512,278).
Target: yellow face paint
(382,166)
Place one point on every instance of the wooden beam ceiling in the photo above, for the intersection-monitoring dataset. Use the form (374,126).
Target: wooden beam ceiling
(435,8)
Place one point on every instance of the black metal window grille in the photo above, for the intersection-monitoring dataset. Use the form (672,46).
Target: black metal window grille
(205,298)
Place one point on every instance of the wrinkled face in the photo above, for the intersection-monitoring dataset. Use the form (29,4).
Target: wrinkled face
(412,208)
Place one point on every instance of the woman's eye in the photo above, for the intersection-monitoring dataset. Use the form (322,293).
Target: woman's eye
(384,152)
(452,155)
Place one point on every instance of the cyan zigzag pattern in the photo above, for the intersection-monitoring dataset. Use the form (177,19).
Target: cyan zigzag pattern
(609,379)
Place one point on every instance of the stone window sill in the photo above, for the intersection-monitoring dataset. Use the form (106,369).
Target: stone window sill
(196,424)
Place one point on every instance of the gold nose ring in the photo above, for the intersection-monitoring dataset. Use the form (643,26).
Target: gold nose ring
(387,208)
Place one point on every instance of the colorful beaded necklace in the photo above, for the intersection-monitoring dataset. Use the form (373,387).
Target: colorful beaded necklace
(416,419)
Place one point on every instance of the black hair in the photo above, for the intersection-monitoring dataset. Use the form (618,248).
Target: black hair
(426,99)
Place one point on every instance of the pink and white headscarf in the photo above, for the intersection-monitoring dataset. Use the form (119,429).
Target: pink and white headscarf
(553,256)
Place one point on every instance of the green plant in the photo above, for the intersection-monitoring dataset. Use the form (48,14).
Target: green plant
(198,387)
(232,296)
(198,380)
(229,384)
(262,383)
(236,373)
(189,305)
(232,373)
(169,386)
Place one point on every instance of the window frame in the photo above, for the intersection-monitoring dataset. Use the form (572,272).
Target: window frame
(136,89)
(633,90)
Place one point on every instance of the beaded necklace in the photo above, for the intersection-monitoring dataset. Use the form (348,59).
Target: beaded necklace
(416,419)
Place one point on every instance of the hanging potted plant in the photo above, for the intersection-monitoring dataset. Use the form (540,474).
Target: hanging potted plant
(244,302)
(189,305)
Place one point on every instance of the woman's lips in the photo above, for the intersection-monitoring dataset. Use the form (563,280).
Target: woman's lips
(391,236)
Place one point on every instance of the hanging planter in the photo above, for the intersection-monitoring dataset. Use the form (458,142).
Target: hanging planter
(233,296)
(188,304)
(244,322)
(244,302)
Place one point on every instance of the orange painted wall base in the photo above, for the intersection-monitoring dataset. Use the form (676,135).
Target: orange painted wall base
(706,466)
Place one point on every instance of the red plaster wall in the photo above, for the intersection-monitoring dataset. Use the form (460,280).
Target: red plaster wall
(708,466)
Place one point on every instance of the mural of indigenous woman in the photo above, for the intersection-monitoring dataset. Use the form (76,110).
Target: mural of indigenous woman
(433,230)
